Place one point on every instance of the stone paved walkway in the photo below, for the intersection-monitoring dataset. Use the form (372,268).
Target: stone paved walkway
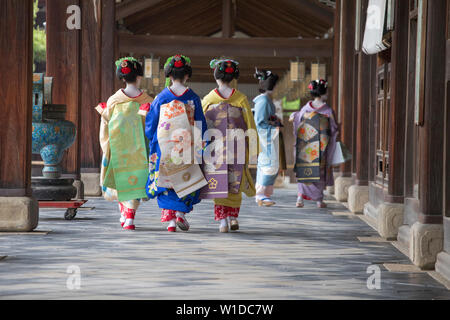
(280,253)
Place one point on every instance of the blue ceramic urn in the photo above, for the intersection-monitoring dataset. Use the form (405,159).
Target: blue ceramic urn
(52,135)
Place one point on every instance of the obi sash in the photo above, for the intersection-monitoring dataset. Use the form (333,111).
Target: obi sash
(177,170)
(128,169)
(313,136)
(225,176)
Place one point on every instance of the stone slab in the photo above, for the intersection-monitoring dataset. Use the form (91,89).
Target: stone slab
(279,253)
(91,182)
(18,214)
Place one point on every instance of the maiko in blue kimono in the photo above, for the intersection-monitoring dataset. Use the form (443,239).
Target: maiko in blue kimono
(175,108)
(167,198)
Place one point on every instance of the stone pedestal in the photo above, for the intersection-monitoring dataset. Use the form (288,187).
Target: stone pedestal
(426,241)
(79,185)
(91,183)
(389,220)
(53,189)
(358,196)
(18,214)
(330,190)
(341,186)
(443,264)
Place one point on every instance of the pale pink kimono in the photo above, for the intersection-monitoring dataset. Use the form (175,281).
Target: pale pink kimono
(314,191)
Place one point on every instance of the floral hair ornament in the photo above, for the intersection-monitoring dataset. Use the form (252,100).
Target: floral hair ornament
(216,62)
(124,64)
(176,62)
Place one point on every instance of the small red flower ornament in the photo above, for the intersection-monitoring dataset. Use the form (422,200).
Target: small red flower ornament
(229,70)
(125,70)
(178,64)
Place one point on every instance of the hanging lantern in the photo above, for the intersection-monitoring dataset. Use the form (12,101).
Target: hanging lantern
(318,71)
(297,71)
(151,68)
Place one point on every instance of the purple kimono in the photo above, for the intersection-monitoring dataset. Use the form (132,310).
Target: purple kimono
(314,191)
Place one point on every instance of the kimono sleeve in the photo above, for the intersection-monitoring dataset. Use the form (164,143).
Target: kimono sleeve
(252,133)
(199,116)
(152,120)
(262,114)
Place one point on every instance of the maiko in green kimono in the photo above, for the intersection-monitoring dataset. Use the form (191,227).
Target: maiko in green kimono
(125,157)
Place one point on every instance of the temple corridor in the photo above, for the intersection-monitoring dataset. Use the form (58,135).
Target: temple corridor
(384,70)
(279,253)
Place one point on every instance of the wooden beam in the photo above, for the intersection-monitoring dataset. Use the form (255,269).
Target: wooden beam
(228,15)
(16,50)
(247,47)
(130,7)
(311,8)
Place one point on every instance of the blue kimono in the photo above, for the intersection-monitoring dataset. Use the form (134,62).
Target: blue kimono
(167,198)
(268,159)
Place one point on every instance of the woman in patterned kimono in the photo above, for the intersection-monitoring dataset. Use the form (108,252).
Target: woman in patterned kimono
(226,109)
(124,165)
(171,129)
(268,125)
(316,131)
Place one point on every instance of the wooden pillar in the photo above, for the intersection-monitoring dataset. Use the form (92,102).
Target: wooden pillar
(432,140)
(18,210)
(336,47)
(15,95)
(363,109)
(228,13)
(447,124)
(346,78)
(109,49)
(98,44)
(64,63)
(399,80)
(90,84)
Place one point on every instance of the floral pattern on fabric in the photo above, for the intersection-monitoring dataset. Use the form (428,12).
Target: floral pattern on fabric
(223,212)
(168,215)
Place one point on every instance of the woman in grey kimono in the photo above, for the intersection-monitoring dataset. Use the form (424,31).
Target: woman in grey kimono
(268,126)
(316,131)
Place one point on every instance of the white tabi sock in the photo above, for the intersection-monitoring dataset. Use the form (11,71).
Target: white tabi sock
(172,224)
(223,223)
(180,215)
(128,222)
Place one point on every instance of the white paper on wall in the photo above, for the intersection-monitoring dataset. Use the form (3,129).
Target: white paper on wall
(373,34)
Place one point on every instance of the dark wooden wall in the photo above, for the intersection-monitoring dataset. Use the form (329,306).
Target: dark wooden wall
(16,23)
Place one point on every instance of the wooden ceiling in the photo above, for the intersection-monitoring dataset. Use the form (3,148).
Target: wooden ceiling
(293,29)
(255,18)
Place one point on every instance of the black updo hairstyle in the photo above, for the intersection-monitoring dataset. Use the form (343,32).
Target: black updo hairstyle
(128,69)
(318,88)
(178,67)
(267,80)
(226,70)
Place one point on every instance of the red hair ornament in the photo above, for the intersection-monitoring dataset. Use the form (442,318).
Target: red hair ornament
(125,70)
